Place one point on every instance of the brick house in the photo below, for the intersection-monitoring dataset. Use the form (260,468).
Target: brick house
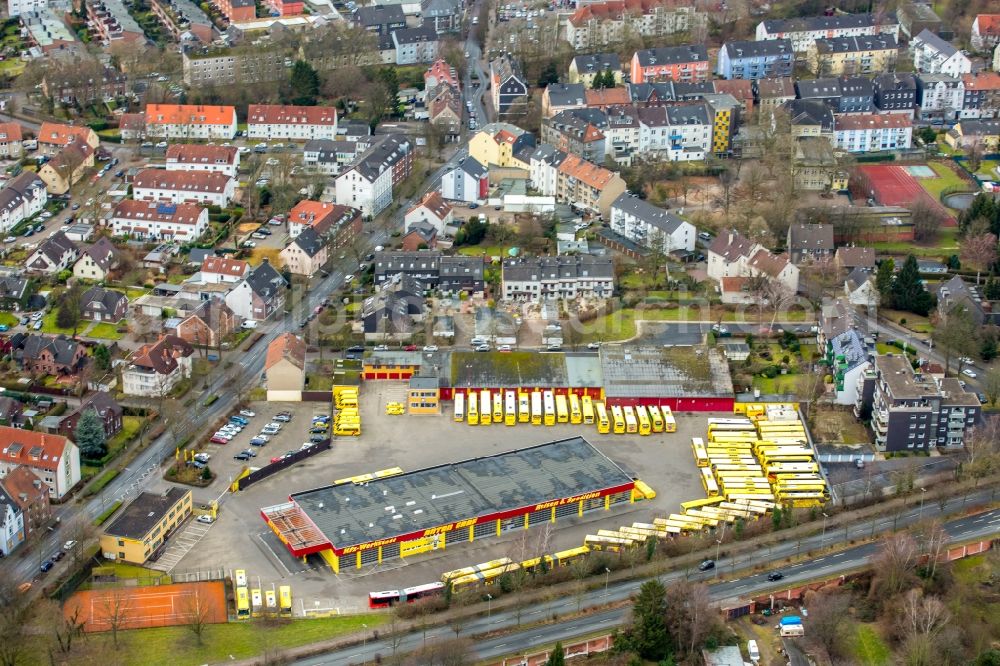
(44,355)
(111,414)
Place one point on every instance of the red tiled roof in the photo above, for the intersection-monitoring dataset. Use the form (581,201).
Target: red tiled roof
(188,181)
(61,134)
(289,347)
(442,71)
(189,114)
(733,284)
(162,355)
(587,172)
(982,81)
(225,266)
(194,153)
(31,449)
(147,211)
(20,485)
(434,203)
(10,132)
(132,121)
(989,24)
(612,9)
(766,262)
(279,114)
(873,121)
(607,97)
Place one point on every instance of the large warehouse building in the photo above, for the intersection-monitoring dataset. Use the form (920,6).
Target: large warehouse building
(356,524)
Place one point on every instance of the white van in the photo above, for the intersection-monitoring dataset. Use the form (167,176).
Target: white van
(249,324)
(753,651)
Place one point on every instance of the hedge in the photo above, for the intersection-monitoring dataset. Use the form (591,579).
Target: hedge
(104,479)
(107,513)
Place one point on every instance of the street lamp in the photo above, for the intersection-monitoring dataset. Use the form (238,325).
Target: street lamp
(607,574)
(920,512)
(364,635)
(822,540)
(489,605)
(718,545)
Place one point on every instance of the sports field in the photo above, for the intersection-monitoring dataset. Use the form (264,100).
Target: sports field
(896,186)
(155,606)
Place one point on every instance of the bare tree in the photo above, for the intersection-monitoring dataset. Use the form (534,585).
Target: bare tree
(927,220)
(66,626)
(690,617)
(979,248)
(896,562)
(116,611)
(198,611)
(982,447)
(14,613)
(922,615)
(935,545)
(827,614)
(452,652)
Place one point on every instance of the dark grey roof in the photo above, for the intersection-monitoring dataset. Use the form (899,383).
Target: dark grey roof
(895,81)
(18,189)
(471,166)
(810,112)
(549,154)
(63,349)
(980,127)
(856,86)
(564,94)
(566,267)
(838,22)
(424,33)
(689,114)
(265,281)
(939,44)
(382,156)
(855,44)
(810,237)
(424,229)
(56,245)
(648,213)
(670,55)
(309,241)
(101,299)
(375,15)
(351,514)
(776,87)
(459,266)
(103,253)
(765,47)
(12,287)
(857,277)
(597,62)
(818,88)
(144,513)
(198,255)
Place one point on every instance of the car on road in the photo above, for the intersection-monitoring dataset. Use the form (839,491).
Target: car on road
(379,248)
(38,325)
(69,545)
(705,236)
(775,575)
(593,345)
(969,373)
(249,244)
(982,398)
(482,348)
(4,328)
(504,348)
(10,239)
(706,565)
(381,347)
(554,348)
(46,565)
(430,348)
(208,520)
(249,413)
(58,556)
(275,222)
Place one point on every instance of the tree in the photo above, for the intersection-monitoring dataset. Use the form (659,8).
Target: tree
(303,84)
(647,634)
(115,611)
(90,435)
(198,611)
(979,248)
(974,156)
(991,385)
(957,333)
(102,357)
(557,657)
(381,95)
(690,618)
(827,612)
(70,310)
(927,220)
(549,74)
(895,563)
(14,614)
(908,292)
(884,278)
(927,135)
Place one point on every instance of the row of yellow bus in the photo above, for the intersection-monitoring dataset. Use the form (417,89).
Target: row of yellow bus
(511,407)
(489,573)
(347,421)
(252,602)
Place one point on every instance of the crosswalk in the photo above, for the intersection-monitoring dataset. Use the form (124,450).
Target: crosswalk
(180,544)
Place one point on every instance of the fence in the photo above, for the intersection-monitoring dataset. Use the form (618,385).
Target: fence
(275,467)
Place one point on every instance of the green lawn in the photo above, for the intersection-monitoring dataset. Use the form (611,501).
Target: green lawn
(987,169)
(944,245)
(946,178)
(869,648)
(914,322)
(145,576)
(104,331)
(133,294)
(779,385)
(130,428)
(487,250)
(9,319)
(49,324)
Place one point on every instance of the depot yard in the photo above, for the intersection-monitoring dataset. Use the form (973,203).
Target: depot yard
(240,538)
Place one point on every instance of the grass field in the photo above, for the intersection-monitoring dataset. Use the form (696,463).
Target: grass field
(869,648)
(49,324)
(481,250)
(8,319)
(945,178)
(944,245)
(914,322)
(779,385)
(104,331)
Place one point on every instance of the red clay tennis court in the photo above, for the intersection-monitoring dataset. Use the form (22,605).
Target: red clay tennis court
(155,606)
(893,185)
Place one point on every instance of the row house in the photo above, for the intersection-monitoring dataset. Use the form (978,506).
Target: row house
(31,495)
(756,60)
(968,133)
(443,15)
(190,121)
(11,140)
(733,255)
(651,227)
(895,92)
(679,133)
(22,197)
(53,459)
(294,123)
(66,169)
(53,137)
(599,24)
(548,278)
(576,132)
(583,68)
(500,144)
(154,221)
(55,254)
(67,87)
(771,94)
(56,356)
(802,32)
(671,63)
(109,21)
(183,19)
(981,95)
(237,11)
(559,97)
(202,157)
(445,112)
(934,55)
(329,158)
(260,295)
(940,97)
(586,185)
(450,274)
(508,87)
(854,94)
(873,132)
(911,411)
(208,188)
(368,183)
(158,367)
(850,56)
(380,19)
(985,34)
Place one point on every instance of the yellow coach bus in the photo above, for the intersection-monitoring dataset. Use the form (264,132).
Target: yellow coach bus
(575,415)
(603,424)
(587,408)
(643,417)
(562,412)
(618,419)
(459,407)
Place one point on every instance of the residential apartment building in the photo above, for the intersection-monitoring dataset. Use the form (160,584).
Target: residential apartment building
(621,136)
(985,34)
(324,218)
(450,274)
(237,11)
(294,123)
(548,278)
(158,367)
(671,63)
(583,68)
(940,96)
(330,157)
(802,32)
(16,8)
(756,60)
(23,196)
(771,94)
(32,496)
(575,181)
(443,15)
(600,24)
(440,76)
(54,459)
(508,86)
(415,45)
(109,21)
(573,132)
(651,227)
(208,188)
(982,95)
(53,137)
(849,356)
(66,169)
(810,242)
(380,19)
(850,56)
(934,55)
(895,92)
(260,295)
(155,221)
(368,183)
(190,121)
(201,157)
(500,144)
(12,530)
(230,66)
(183,20)
(306,254)
(867,133)
(854,94)
(911,411)
(468,181)
(681,133)
(140,530)
(559,97)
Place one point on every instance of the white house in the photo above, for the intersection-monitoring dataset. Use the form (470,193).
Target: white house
(294,123)
(21,198)
(151,220)
(547,278)
(872,132)
(934,55)
(806,30)
(543,168)
(367,184)
(52,458)
(11,523)
(859,287)
(680,133)
(940,95)
(157,368)
(432,209)
(223,270)
(55,254)
(733,255)
(190,121)
(851,358)
(649,226)
(469,181)
(209,188)
(96,261)
(260,295)
(203,157)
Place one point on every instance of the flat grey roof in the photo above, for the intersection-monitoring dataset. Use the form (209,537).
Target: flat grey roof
(352,514)
(508,369)
(638,372)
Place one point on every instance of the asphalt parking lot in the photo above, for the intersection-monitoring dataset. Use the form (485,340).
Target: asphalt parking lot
(241,539)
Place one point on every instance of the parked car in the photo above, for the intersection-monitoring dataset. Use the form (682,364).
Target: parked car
(238,419)
(283,417)
(248,413)
(69,545)
(208,520)
(316,439)
(969,373)
(593,345)
(46,565)
(430,348)
(504,348)
(257,441)
(250,452)
(202,457)
(218,440)
(38,325)
(410,348)
(381,347)
(242,455)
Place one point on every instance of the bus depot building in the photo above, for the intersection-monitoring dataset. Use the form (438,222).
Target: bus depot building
(351,525)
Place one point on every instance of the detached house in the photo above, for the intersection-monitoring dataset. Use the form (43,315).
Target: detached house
(306,254)
(260,295)
(733,255)
(104,405)
(201,157)
(96,261)
(44,355)
(53,459)
(68,166)
(469,181)
(207,325)
(157,368)
(208,188)
(55,254)
(11,136)
(53,137)
(100,304)
(810,242)
(285,365)
(433,210)
(294,123)
(217,270)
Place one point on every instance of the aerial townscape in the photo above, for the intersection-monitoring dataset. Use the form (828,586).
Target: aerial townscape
(291,290)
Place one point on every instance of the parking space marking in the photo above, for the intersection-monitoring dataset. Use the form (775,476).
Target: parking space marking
(180,544)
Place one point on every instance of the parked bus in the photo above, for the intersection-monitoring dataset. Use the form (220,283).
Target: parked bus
(711,519)
(242,603)
(603,424)
(699,503)
(271,602)
(655,418)
(498,407)
(575,415)
(550,408)
(729,421)
(708,481)
(239,578)
(459,407)
(606,543)
(771,457)
(256,603)
(408,595)
(631,423)
(473,409)
(485,408)
(643,417)
(781,468)
(737,467)
(698,448)
(285,600)
(562,410)
(587,409)
(669,423)
(751,507)
(755,497)
(523,408)
(510,409)
(618,419)
(347,429)
(564,557)
(536,408)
